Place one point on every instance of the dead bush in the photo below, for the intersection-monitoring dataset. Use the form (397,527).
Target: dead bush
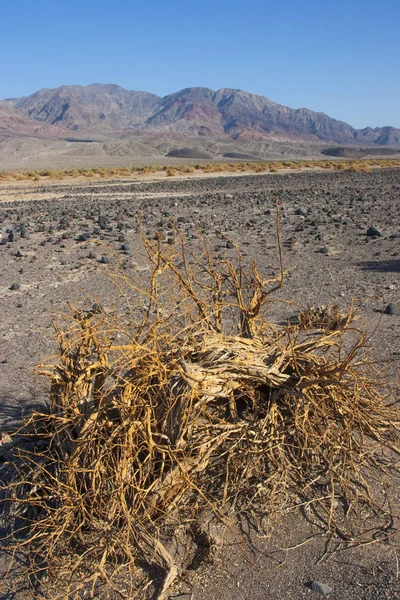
(327,318)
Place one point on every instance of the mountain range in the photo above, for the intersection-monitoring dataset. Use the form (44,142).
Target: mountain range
(109,110)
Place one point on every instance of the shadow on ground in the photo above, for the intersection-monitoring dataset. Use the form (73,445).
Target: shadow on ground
(384,266)
(13,410)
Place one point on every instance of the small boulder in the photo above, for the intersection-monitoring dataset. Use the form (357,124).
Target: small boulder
(320,588)
(374,232)
(391,309)
(301,211)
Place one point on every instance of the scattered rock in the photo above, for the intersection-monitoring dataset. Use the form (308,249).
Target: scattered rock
(103,222)
(320,588)
(391,309)
(24,232)
(374,232)
(83,237)
(14,286)
(5,438)
(301,211)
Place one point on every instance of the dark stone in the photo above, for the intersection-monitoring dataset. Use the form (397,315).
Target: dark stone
(301,211)
(374,232)
(103,221)
(14,286)
(391,309)
(24,231)
(84,237)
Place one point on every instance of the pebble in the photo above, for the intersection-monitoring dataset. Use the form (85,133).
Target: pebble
(391,309)
(301,211)
(14,286)
(83,237)
(103,221)
(5,437)
(321,588)
(374,232)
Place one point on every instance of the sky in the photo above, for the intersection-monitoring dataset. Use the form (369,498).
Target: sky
(340,57)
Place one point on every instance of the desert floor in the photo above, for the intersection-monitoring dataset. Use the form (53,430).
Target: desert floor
(55,248)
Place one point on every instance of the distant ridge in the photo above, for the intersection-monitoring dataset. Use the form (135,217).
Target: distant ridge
(107,109)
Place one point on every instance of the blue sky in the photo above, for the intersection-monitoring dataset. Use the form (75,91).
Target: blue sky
(341,57)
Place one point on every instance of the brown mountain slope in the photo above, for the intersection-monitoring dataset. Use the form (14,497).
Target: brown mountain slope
(13,123)
(192,112)
(384,136)
(92,108)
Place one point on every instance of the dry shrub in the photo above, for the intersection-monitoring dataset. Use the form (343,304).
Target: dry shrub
(257,167)
(327,318)
(195,407)
(186,169)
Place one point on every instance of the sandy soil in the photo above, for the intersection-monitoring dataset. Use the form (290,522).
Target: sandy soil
(29,153)
(52,250)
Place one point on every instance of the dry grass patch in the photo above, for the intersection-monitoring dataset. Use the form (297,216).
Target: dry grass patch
(238,167)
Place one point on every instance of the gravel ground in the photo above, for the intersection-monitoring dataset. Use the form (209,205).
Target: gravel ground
(340,233)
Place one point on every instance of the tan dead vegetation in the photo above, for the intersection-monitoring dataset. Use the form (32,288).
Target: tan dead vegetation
(194,407)
(364,165)
(327,318)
